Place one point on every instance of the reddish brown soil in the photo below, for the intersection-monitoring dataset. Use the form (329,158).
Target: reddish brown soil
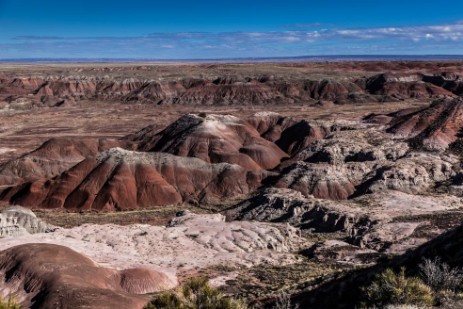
(52,276)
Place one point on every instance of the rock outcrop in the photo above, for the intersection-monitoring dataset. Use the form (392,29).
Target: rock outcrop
(415,173)
(347,164)
(285,205)
(391,222)
(16,221)
(320,180)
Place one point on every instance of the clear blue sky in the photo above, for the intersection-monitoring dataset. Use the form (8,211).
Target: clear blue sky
(215,29)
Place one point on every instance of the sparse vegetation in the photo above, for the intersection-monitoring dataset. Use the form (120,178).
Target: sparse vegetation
(439,284)
(195,294)
(440,276)
(267,281)
(392,288)
(284,302)
(156,216)
(445,281)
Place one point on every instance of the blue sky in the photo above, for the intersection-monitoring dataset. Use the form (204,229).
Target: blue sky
(214,29)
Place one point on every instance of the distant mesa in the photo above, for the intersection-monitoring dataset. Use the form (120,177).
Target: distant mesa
(56,91)
(402,86)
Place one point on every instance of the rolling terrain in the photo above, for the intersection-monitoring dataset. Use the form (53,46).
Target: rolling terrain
(325,167)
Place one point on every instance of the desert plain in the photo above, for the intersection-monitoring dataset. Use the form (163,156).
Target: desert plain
(119,181)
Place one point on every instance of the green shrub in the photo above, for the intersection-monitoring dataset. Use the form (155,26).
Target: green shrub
(167,301)
(391,288)
(194,294)
(11,303)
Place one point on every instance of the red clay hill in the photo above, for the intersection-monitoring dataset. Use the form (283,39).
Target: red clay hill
(211,159)
(197,159)
(214,139)
(120,179)
(433,128)
(53,276)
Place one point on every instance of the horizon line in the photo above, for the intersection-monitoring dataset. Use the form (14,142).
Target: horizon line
(313,58)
